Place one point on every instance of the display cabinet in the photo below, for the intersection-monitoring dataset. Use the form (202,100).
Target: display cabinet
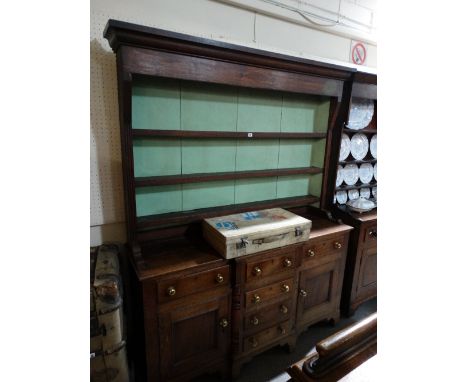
(210,129)
(360,281)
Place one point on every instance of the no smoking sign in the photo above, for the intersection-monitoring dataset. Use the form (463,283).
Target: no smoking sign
(358,53)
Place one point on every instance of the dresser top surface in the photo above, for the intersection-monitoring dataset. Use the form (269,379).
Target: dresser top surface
(322,227)
(162,258)
(182,254)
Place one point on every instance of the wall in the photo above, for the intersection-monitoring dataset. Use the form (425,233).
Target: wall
(316,29)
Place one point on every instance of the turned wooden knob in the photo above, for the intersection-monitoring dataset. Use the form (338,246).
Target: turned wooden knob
(256,299)
(283,309)
(223,322)
(254,321)
(281,330)
(256,271)
(287,263)
(310,253)
(253,342)
(303,293)
(285,288)
(171,291)
(219,278)
(337,245)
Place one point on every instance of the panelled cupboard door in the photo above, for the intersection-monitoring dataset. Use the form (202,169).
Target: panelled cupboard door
(367,278)
(193,336)
(318,292)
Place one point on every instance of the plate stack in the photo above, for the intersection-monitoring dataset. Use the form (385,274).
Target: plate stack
(356,178)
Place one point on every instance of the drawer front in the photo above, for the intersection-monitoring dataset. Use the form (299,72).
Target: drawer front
(261,296)
(328,249)
(172,289)
(370,236)
(267,316)
(280,261)
(266,337)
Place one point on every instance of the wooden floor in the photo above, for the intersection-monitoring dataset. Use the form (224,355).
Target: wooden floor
(271,365)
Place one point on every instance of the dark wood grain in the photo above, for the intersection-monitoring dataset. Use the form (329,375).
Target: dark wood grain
(148,133)
(173,65)
(363,131)
(355,161)
(211,177)
(337,355)
(120,33)
(357,186)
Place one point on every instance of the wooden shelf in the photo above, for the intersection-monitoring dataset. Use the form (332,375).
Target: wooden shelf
(354,161)
(355,186)
(146,133)
(217,176)
(364,131)
(187,217)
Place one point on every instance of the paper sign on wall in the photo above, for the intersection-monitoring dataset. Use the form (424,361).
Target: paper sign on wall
(358,52)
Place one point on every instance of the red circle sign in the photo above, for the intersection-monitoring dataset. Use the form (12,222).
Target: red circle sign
(358,54)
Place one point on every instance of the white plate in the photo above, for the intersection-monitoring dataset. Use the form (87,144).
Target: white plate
(353,194)
(360,113)
(359,146)
(345,147)
(339,176)
(350,174)
(375,171)
(374,192)
(373,146)
(365,192)
(341,197)
(365,172)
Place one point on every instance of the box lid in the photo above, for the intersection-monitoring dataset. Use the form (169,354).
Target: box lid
(251,222)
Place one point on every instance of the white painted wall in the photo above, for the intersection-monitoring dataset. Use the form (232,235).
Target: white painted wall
(316,29)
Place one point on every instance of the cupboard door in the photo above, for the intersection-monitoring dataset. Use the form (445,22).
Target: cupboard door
(193,336)
(367,277)
(318,293)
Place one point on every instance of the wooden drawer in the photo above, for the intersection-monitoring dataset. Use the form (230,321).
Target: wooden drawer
(261,296)
(279,261)
(171,289)
(267,316)
(370,236)
(328,249)
(267,336)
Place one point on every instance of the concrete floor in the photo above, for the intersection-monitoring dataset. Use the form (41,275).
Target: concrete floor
(271,365)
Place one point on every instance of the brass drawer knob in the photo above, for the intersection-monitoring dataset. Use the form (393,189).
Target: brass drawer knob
(337,245)
(254,321)
(285,288)
(303,293)
(256,299)
(223,322)
(256,271)
(171,291)
(219,278)
(287,263)
(281,330)
(283,309)
(310,253)
(253,342)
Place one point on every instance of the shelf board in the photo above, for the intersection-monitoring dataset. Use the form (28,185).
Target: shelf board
(364,131)
(217,176)
(354,161)
(355,186)
(187,217)
(146,133)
